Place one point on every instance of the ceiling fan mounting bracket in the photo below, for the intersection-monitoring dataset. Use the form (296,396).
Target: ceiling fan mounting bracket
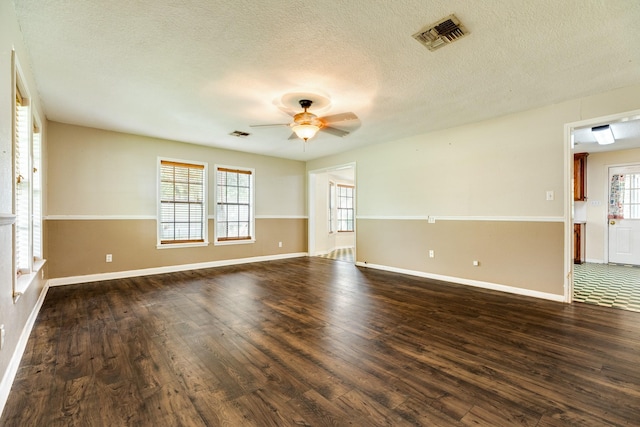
(305,103)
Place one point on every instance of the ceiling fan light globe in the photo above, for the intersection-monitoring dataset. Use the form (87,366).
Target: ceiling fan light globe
(305,131)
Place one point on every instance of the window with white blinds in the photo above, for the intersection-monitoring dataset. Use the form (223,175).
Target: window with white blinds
(234,207)
(182,210)
(345,208)
(23,253)
(332,207)
(36,191)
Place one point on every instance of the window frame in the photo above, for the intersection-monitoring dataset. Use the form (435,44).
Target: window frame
(25,273)
(182,243)
(218,240)
(340,209)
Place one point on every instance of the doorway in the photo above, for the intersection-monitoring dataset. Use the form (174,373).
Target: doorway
(604,277)
(332,212)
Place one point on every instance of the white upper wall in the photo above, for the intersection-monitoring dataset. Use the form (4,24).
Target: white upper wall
(499,167)
(102,173)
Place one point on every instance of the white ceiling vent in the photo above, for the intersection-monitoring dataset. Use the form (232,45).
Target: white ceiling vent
(443,32)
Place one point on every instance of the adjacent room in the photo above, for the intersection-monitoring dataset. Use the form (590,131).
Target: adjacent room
(319,213)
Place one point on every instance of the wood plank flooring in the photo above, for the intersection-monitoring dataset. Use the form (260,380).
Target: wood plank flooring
(314,342)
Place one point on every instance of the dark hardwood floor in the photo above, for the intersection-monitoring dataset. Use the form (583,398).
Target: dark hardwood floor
(314,342)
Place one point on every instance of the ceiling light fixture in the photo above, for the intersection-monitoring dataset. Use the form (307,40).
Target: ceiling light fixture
(306,130)
(603,134)
(306,123)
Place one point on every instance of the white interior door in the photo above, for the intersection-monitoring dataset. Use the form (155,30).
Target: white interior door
(624,215)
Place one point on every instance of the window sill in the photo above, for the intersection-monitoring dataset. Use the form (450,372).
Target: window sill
(234,242)
(181,245)
(24,281)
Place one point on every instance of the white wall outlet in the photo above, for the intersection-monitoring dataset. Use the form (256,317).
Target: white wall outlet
(432,254)
(1,337)
(432,220)
(279,244)
(476,263)
(550,195)
(109,258)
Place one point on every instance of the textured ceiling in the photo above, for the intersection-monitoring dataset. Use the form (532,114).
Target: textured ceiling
(197,70)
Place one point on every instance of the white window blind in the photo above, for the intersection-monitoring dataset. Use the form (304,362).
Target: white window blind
(23,185)
(332,203)
(234,211)
(36,184)
(182,202)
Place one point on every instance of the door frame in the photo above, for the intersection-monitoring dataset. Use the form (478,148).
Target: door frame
(568,193)
(311,204)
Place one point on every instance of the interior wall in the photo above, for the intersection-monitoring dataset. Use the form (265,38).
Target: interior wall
(598,195)
(497,171)
(101,181)
(13,315)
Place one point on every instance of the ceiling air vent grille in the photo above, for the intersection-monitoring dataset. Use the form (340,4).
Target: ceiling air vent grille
(239,134)
(441,33)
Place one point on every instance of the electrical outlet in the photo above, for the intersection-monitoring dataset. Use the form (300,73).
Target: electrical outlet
(432,220)
(431,254)
(550,195)
(476,263)
(279,244)
(109,258)
(1,337)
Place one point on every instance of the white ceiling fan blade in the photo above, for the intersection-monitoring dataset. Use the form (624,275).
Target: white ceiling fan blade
(334,131)
(342,117)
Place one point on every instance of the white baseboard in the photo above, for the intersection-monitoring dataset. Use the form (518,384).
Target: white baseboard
(595,261)
(14,363)
(469,282)
(72,280)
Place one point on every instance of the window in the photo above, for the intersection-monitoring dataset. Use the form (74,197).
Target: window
(36,191)
(332,207)
(345,208)
(624,202)
(234,209)
(23,177)
(182,208)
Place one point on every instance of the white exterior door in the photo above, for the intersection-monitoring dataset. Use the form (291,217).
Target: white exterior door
(624,215)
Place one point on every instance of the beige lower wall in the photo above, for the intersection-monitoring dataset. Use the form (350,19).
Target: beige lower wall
(520,254)
(78,247)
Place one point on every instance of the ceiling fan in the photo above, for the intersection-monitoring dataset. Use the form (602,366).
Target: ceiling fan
(306,125)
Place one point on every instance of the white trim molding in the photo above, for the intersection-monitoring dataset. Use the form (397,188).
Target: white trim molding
(7,219)
(97,217)
(139,217)
(282,217)
(62,281)
(434,218)
(468,282)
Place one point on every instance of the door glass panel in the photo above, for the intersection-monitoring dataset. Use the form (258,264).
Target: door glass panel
(624,201)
